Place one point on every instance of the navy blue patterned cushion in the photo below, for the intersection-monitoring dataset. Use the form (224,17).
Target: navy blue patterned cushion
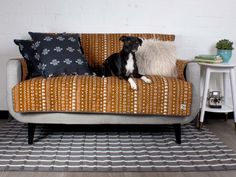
(60,54)
(26,50)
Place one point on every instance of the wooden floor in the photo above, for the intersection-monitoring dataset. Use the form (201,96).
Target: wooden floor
(224,130)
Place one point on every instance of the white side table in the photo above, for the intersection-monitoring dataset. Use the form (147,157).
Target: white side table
(219,68)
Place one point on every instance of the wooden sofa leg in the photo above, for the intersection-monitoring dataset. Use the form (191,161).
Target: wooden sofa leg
(177,128)
(31,129)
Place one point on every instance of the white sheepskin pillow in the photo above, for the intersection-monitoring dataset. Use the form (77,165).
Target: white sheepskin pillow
(157,57)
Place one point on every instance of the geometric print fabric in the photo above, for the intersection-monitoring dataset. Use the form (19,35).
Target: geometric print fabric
(59,54)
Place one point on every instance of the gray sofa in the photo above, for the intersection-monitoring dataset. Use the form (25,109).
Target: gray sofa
(14,74)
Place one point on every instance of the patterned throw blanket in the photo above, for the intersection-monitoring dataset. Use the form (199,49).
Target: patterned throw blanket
(165,96)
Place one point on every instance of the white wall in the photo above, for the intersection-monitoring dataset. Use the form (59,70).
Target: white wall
(198,24)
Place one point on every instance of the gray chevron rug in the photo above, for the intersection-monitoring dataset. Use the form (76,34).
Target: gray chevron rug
(58,149)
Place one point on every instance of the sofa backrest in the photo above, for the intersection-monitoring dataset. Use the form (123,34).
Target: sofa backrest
(97,47)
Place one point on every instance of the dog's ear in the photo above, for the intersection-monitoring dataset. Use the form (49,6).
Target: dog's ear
(140,41)
(123,38)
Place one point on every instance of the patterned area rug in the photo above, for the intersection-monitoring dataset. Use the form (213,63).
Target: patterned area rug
(70,150)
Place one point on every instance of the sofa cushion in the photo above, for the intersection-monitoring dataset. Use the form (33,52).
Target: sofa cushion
(60,54)
(26,50)
(91,94)
(157,57)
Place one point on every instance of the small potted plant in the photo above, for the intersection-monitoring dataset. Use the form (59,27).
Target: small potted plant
(224,49)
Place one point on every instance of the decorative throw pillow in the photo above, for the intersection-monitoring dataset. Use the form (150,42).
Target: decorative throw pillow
(60,54)
(26,50)
(156,57)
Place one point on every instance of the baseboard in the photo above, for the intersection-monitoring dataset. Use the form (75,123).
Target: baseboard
(218,115)
(4,114)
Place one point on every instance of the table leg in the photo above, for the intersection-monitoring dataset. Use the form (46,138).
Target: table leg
(226,116)
(233,90)
(205,92)
(225,90)
(225,93)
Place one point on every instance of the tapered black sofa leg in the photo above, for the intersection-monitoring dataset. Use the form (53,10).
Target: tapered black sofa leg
(31,129)
(177,128)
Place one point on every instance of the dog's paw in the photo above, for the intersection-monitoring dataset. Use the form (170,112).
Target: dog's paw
(149,81)
(132,83)
(134,87)
(146,80)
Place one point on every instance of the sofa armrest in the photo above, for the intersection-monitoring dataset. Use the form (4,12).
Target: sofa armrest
(192,73)
(181,66)
(14,76)
(24,69)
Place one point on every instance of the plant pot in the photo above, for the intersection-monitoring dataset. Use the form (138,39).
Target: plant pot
(225,55)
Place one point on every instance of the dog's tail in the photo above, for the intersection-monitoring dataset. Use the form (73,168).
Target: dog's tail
(99,70)
(102,70)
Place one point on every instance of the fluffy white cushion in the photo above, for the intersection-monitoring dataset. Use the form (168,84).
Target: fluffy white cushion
(157,57)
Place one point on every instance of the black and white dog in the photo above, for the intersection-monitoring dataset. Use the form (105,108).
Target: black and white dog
(123,64)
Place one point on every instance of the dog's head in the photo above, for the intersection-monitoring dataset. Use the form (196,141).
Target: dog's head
(131,44)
